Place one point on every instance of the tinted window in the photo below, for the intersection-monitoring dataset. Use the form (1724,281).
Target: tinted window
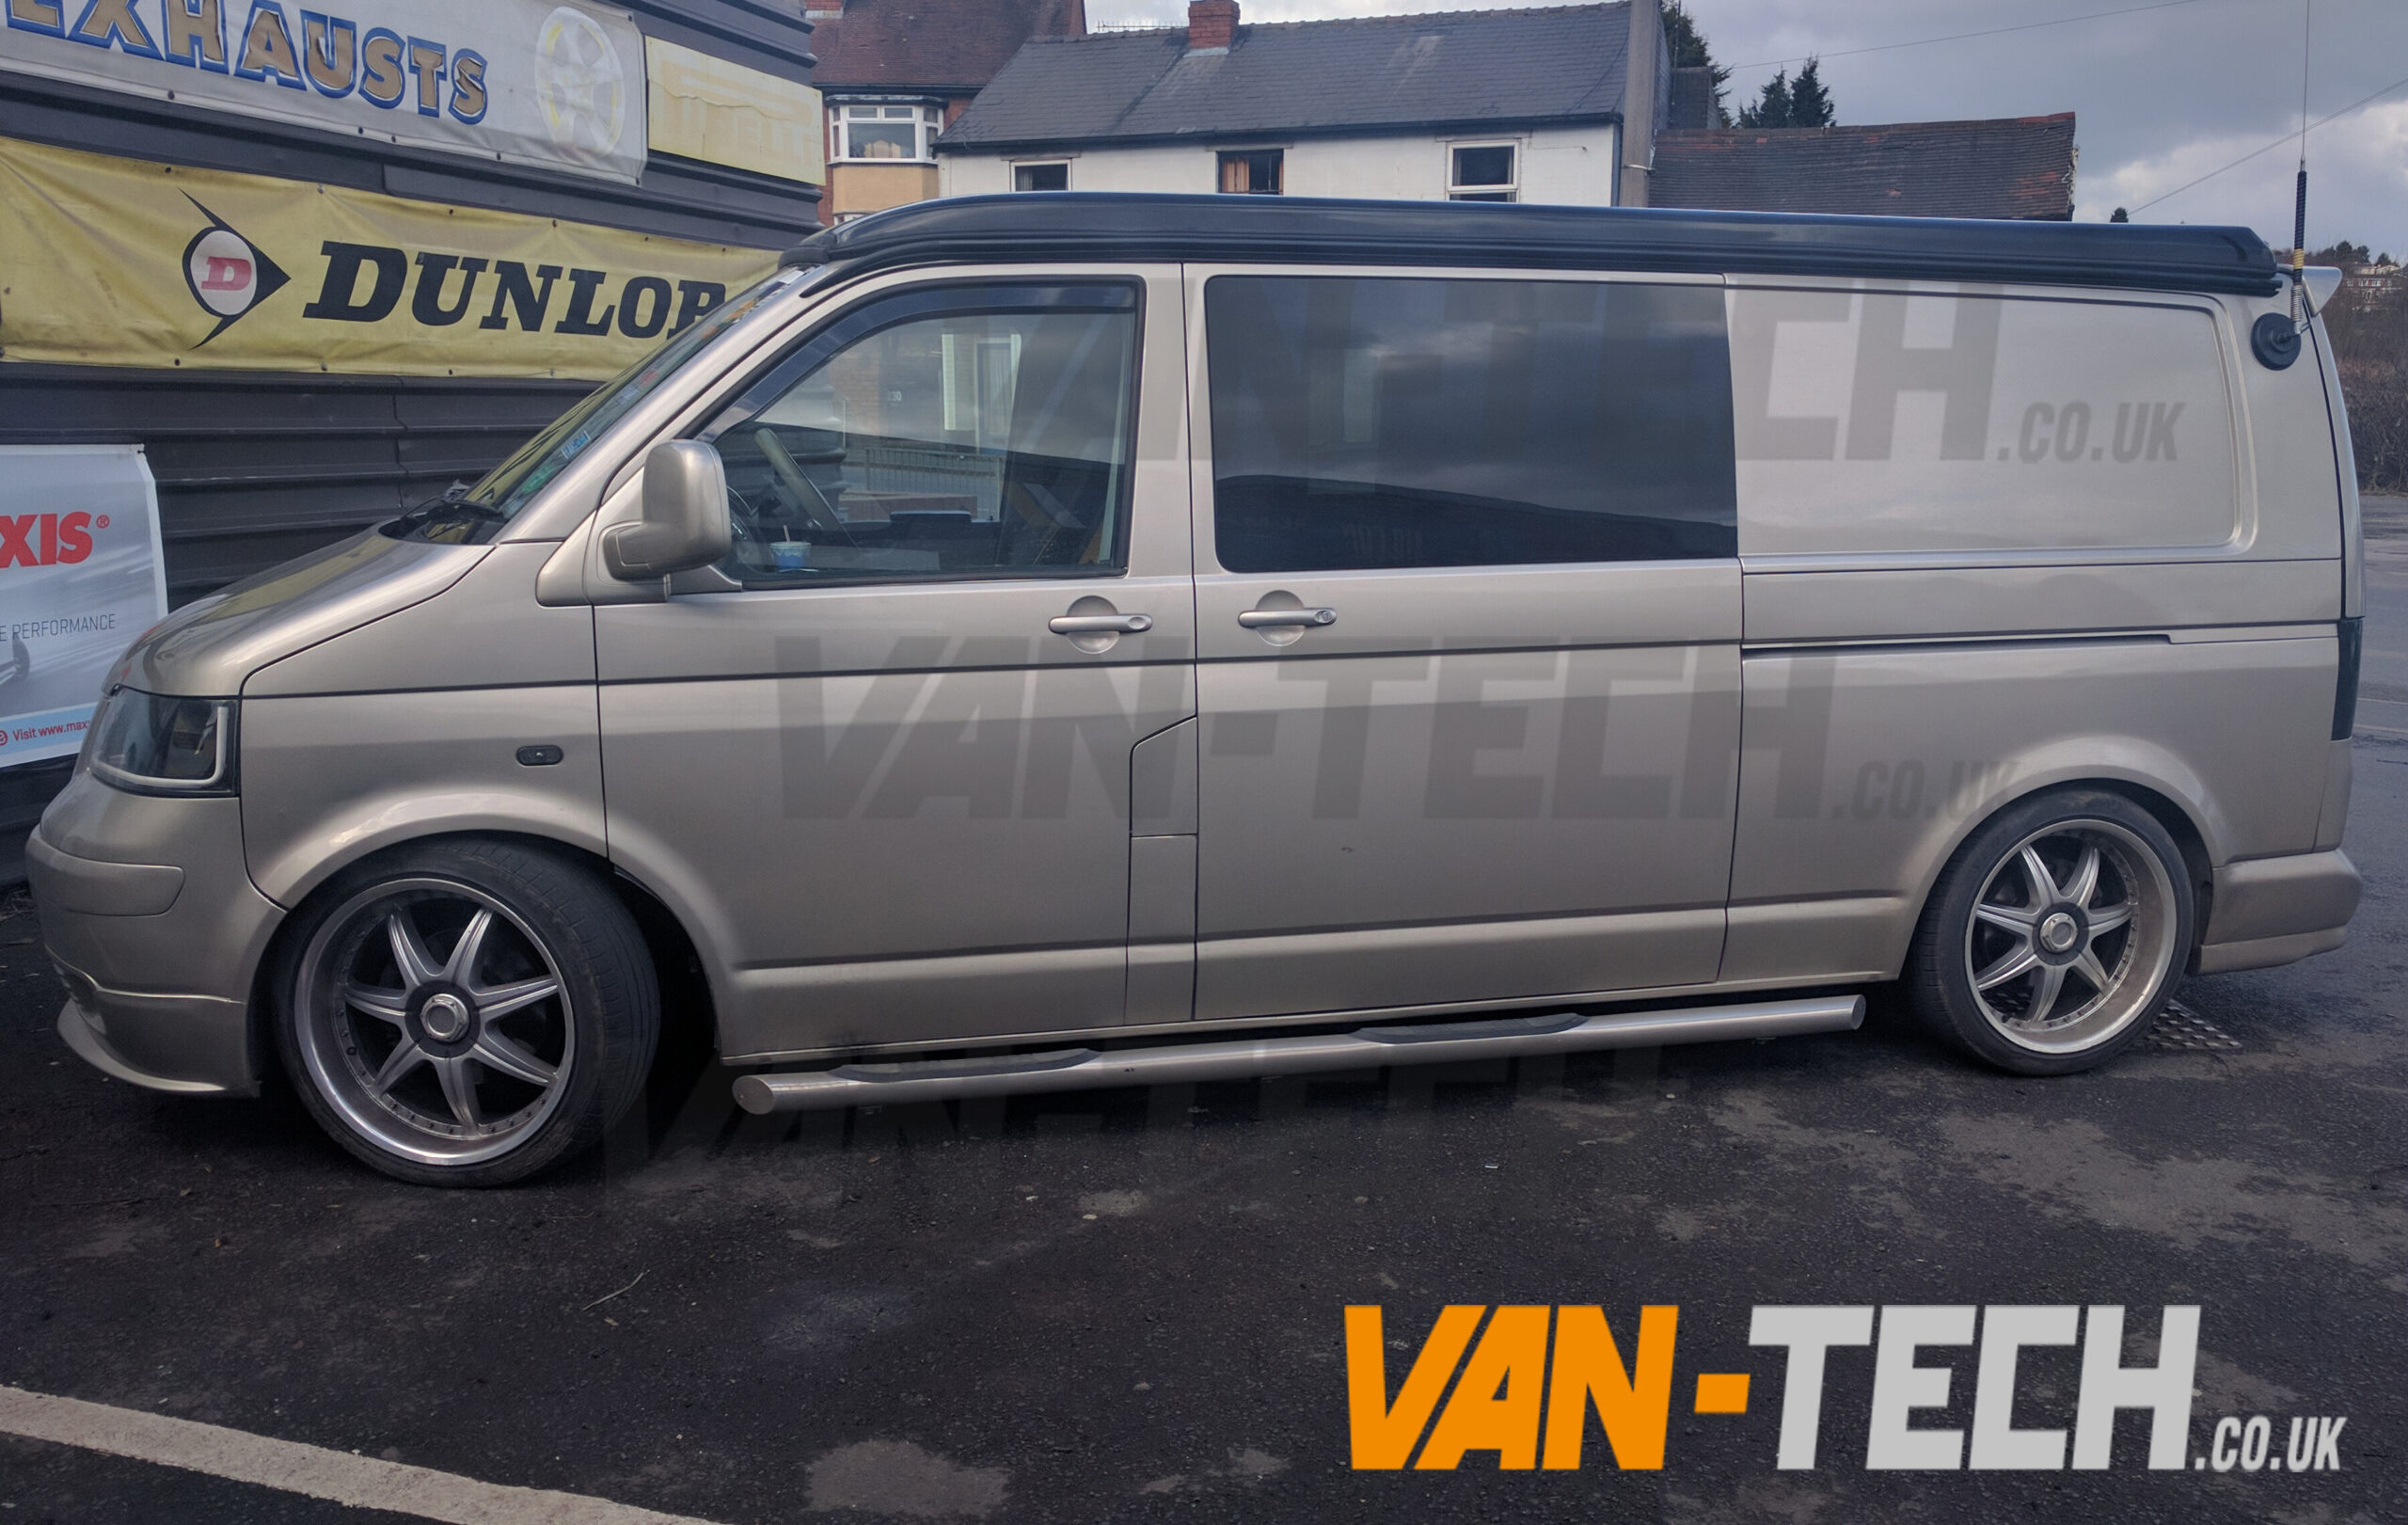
(1873,421)
(1399,423)
(956,432)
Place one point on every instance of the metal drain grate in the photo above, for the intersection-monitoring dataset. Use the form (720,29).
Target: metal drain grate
(2184,1030)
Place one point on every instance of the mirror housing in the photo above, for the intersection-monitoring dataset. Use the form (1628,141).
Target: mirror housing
(685,521)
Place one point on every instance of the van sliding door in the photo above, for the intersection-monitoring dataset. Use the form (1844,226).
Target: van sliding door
(1467,620)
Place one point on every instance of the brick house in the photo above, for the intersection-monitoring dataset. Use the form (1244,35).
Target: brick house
(895,73)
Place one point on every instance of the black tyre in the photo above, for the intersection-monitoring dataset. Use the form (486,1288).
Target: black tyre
(466,1013)
(2056,935)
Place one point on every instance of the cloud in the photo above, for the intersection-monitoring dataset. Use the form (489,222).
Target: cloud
(2163,95)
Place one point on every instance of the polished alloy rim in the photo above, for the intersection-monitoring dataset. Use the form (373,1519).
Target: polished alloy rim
(435,1020)
(2071,937)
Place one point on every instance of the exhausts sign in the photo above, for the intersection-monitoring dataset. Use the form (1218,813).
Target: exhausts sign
(523,81)
(114,262)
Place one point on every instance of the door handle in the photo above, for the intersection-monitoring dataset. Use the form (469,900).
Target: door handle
(1101,624)
(1266,619)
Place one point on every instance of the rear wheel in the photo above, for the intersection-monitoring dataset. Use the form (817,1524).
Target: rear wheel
(468,1013)
(2056,935)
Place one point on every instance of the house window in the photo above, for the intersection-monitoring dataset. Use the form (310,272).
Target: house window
(1483,173)
(1252,172)
(1041,177)
(887,132)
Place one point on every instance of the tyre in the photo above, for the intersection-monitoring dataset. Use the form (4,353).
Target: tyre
(466,1013)
(2056,935)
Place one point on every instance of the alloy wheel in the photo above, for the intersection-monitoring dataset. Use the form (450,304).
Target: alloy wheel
(2071,937)
(435,1022)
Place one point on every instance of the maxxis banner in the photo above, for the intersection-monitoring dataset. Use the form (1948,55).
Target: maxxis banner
(80,579)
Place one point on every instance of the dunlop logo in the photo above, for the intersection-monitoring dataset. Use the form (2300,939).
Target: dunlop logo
(365,282)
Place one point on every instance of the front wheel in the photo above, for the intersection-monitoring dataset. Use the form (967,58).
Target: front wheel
(467,1014)
(2054,936)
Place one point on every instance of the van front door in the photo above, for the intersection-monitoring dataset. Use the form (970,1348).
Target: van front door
(1468,607)
(882,770)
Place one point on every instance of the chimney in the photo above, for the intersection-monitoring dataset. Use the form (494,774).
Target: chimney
(1212,26)
(1639,100)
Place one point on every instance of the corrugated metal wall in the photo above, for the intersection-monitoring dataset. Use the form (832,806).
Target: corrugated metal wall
(254,469)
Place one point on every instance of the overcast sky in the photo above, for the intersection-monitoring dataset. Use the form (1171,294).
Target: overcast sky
(2164,95)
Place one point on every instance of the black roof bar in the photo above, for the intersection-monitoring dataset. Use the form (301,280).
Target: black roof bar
(1091,226)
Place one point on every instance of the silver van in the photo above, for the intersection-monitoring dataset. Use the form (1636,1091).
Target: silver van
(1050,641)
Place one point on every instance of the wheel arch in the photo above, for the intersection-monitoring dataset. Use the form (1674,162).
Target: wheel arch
(2178,818)
(685,988)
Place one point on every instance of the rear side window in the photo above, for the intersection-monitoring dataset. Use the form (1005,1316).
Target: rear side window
(1399,422)
(1938,422)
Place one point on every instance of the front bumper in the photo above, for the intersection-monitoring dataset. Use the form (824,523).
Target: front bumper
(150,917)
(88,1036)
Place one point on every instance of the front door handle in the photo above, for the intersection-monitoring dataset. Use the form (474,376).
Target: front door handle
(1266,619)
(1101,624)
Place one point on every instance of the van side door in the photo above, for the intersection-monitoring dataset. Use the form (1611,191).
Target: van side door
(1468,615)
(879,760)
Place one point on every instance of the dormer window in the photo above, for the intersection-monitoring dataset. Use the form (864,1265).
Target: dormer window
(885,133)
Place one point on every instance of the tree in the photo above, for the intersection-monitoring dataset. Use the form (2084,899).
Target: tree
(2345,254)
(1689,49)
(2120,215)
(2369,336)
(1785,102)
(1810,105)
(1772,108)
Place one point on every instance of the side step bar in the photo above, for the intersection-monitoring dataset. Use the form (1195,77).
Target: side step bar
(1365,1048)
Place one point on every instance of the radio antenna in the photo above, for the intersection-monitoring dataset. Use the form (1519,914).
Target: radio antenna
(2299,205)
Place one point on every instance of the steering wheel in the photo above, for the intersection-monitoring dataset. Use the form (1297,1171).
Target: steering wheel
(815,508)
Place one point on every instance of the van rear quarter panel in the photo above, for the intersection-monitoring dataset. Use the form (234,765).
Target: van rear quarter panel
(1995,541)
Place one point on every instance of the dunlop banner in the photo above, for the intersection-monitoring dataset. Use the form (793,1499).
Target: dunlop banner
(114,262)
(526,81)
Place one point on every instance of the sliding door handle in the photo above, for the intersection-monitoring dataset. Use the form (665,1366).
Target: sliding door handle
(1269,619)
(1101,624)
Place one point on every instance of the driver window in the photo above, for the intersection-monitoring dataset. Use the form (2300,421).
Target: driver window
(955,432)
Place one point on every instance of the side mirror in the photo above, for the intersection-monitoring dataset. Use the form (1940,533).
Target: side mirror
(685,516)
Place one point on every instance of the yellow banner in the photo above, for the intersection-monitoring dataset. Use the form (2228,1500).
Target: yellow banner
(708,108)
(115,262)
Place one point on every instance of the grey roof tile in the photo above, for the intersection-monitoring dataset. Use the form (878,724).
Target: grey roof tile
(1560,62)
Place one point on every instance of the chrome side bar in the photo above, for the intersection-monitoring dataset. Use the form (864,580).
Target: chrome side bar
(1365,1048)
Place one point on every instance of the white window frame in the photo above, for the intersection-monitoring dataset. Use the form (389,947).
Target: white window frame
(1512,188)
(1016,165)
(927,119)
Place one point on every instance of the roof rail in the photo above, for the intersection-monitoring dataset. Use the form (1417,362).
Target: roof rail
(1089,226)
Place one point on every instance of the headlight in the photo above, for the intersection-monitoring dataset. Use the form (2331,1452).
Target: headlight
(152,744)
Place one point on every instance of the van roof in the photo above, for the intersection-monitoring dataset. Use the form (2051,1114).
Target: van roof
(1089,226)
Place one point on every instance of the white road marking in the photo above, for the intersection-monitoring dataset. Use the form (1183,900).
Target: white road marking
(360,1481)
